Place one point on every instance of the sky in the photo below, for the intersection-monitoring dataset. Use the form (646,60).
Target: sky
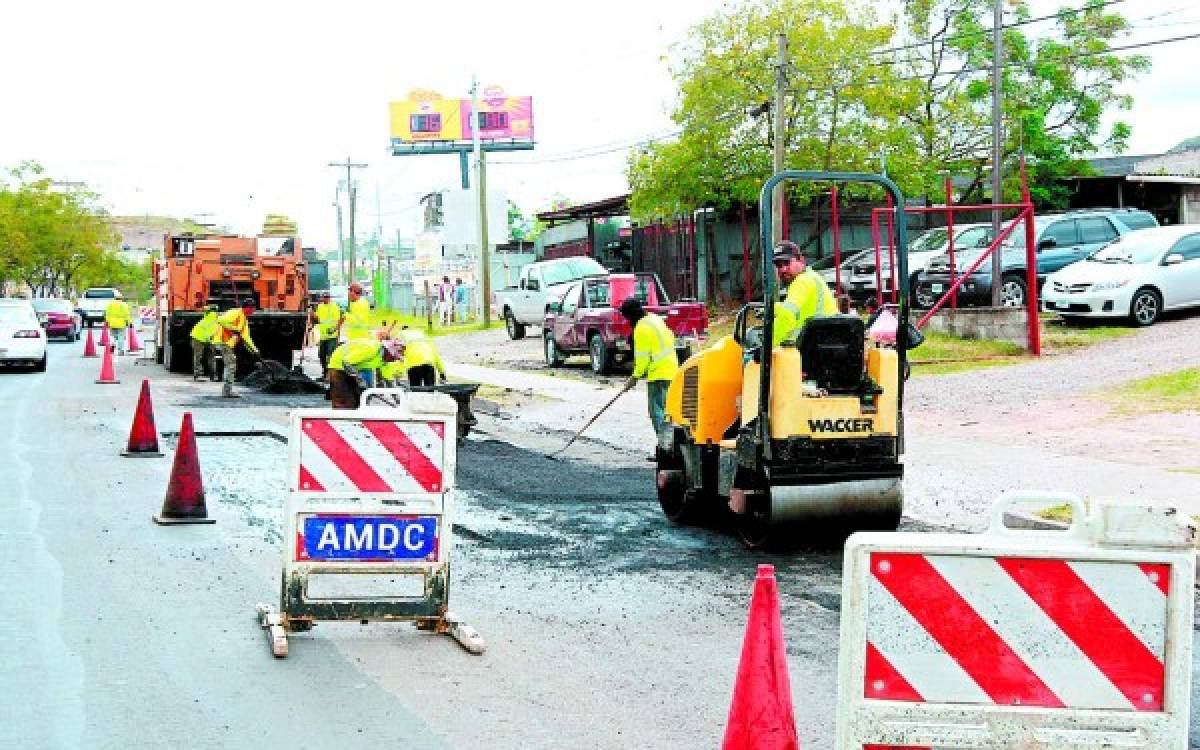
(226,111)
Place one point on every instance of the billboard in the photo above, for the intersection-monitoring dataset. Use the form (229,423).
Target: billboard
(426,122)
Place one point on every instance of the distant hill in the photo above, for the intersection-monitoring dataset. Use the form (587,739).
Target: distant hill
(1191,144)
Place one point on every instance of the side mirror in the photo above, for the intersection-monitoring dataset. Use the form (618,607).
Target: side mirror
(1046,242)
(1173,259)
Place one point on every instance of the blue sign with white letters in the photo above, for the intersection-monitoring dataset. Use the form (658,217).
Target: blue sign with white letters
(344,537)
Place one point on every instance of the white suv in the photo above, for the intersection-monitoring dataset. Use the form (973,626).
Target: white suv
(93,302)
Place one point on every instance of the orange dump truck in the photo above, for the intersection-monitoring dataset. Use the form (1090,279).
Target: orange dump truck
(197,271)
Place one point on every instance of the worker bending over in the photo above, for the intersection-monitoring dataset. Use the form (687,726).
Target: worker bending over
(654,358)
(357,324)
(353,364)
(233,327)
(421,360)
(117,317)
(202,337)
(808,295)
(328,319)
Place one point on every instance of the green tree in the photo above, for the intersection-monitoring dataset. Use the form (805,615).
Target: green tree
(842,109)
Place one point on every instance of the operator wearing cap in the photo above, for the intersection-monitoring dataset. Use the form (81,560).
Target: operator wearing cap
(357,324)
(352,368)
(808,295)
(328,318)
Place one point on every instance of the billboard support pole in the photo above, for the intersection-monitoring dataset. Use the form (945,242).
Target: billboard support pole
(485,290)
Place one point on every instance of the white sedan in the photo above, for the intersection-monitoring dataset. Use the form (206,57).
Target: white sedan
(22,340)
(1138,276)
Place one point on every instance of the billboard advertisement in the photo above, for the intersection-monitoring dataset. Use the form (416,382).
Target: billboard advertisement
(426,118)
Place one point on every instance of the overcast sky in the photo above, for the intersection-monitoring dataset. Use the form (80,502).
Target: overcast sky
(234,109)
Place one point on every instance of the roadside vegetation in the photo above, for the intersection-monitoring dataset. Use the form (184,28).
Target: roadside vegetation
(1171,393)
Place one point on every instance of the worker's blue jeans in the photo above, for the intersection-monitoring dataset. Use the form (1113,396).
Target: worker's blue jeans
(656,396)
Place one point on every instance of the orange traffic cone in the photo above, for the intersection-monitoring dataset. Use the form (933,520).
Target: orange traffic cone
(89,346)
(107,374)
(104,339)
(143,437)
(134,346)
(760,715)
(184,502)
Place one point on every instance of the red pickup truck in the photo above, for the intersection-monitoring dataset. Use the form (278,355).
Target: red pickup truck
(586,320)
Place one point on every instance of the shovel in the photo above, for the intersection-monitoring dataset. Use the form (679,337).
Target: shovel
(589,423)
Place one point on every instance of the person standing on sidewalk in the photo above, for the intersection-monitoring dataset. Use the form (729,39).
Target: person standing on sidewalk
(202,336)
(445,294)
(461,311)
(328,319)
(117,317)
(653,356)
(233,327)
(357,323)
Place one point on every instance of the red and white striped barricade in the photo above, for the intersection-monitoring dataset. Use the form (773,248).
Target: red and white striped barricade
(368,519)
(1020,638)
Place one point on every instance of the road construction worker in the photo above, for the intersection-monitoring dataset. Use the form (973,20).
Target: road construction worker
(654,358)
(357,324)
(328,319)
(421,360)
(353,367)
(232,328)
(202,336)
(117,318)
(807,296)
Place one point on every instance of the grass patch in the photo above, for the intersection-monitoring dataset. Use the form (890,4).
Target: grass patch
(380,318)
(1059,336)
(1172,392)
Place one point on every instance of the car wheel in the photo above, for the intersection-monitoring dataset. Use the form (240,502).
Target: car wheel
(1145,307)
(553,357)
(1012,291)
(515,330)
(601,359)
(40,366)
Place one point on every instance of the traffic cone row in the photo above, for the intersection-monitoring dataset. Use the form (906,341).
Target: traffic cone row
(760,714)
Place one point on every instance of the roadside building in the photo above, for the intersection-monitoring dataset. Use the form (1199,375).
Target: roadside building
(1167,185)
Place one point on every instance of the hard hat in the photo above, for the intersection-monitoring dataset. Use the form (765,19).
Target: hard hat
(786,250)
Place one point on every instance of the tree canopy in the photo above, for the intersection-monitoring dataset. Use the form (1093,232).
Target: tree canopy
(915,88)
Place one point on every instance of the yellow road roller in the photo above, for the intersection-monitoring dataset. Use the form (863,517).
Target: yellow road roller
(791,440)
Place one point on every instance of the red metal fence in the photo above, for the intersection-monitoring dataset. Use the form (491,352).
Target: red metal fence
(669,250)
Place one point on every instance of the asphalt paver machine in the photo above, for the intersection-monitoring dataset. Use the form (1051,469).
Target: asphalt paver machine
(797,439)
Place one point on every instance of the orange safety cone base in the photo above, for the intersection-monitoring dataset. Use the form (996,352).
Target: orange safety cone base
(760,714)
(164,521)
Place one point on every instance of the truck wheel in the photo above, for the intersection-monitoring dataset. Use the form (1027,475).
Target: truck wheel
(601,357)
(553,357)
(515,330)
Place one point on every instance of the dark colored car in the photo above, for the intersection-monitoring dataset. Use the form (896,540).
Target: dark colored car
(59,318)
(1060,240)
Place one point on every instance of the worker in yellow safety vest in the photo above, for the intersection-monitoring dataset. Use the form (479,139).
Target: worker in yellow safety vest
(354,366)
(654,358)
(328,319)
(202,336)
(117,317)
(357,324)
(421,360)
(808,295)
(233,327)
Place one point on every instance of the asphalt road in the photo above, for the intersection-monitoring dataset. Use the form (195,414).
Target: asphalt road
(606,626)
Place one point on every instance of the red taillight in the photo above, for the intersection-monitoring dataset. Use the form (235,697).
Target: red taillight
(27,334)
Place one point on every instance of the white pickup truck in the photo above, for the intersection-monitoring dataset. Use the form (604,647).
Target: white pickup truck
(93,302)
(541,283)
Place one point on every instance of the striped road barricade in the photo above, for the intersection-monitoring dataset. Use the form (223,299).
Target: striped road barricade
(368,519)
(1072,639)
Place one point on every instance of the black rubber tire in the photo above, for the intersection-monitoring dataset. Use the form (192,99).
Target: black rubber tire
(600,355)
(515,330)
(1146,307)
(40,366)
(679,504)
(1013,291)
(168,354)
(554,357)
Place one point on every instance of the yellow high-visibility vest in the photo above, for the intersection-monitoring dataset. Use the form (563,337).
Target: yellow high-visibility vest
(116,314)
(205,327)
(808,295)
(231,325)
(359,354)
(654,349)
(327,314)
(358,320)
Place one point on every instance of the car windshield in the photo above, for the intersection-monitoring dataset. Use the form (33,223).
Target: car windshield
(570,270)
(1130,249)
(14,314)
(52,305)
(99,294)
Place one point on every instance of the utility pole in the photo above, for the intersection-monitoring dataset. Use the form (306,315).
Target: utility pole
(781,61)
(485,281)
(997,142)
(337,205)
(350,190)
